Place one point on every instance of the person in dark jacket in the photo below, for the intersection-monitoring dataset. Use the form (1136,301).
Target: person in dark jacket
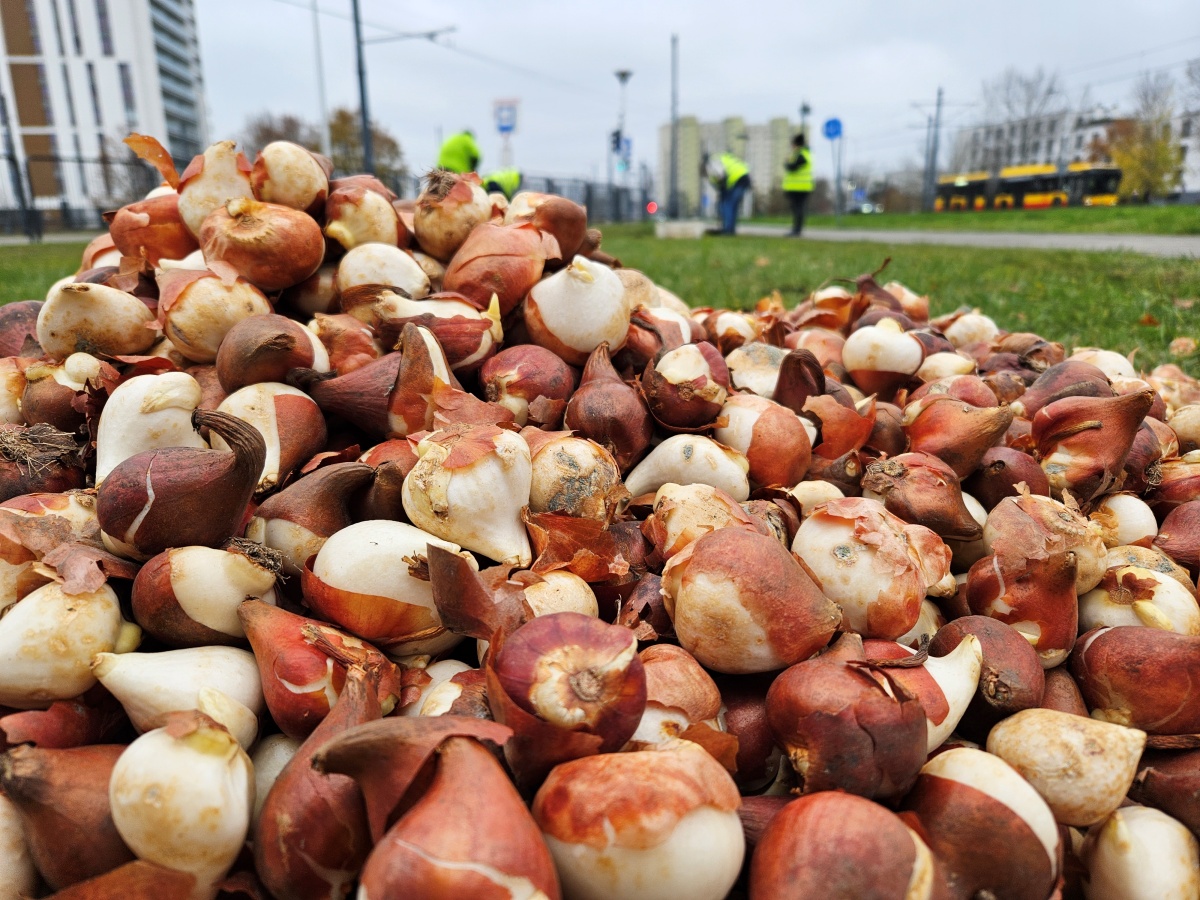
(798,181)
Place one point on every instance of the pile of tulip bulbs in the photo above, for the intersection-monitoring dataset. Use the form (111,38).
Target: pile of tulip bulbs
(359,547)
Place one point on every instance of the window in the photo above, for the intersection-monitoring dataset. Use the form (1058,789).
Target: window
(20,28)
(66,72)
(1185,130)
(29,90)
(94,88)
(1035,148)
(106,41)
(1053,126)
(73,16)
(127,92)
(1078,141)
(1037,127)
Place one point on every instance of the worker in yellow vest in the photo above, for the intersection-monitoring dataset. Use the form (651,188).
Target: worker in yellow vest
(730,175)
(798,181)
(503,181)
(459,153)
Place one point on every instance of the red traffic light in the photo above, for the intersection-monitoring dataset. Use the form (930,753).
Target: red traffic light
(651,207)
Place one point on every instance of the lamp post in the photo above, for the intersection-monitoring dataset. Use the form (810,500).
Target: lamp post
(805,109)
(623,76)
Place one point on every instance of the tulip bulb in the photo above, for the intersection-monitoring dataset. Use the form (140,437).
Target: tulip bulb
(1129,595)
(218,175)
(379,264)
(1081,767)
(181,797)
(222,682)
(574,476)
(577,309)
(613,835)
(357,213)
(145,413)
(691,459)
(48,638)
(447,211)
(965,798)
(197,309)
(290,175)
(685,513)
(1140,854)
(93,318)
(838,845)
(776,442)
(269,758)
(266,348)
(365,579)
(875,566)
(289,421)
(610,412)
(971,328)
(741,603)
(189,596)
(469,486)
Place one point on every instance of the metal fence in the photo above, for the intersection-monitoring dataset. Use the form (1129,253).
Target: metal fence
(67,193)
(604,202)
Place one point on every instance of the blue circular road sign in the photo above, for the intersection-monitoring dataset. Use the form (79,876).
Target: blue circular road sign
(832,128)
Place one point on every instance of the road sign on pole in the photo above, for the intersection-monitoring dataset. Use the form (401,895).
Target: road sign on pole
(833,131)
(506,116)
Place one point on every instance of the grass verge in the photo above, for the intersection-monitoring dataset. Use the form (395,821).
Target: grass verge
(1121,301)
(1182,219)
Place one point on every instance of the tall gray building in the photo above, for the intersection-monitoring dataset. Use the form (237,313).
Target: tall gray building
(78,76)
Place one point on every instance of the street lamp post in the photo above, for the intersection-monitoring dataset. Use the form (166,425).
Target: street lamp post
(805,109)
(618,145)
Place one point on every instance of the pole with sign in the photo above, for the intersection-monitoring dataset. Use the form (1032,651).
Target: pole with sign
(833,131)
(506,123)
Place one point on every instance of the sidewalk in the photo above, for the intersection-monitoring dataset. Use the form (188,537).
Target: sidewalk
(51,237)
(1150,244)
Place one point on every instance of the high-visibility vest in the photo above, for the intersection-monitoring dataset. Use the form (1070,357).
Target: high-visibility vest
(508,180)
(734,170)
(459,153)
(800,178)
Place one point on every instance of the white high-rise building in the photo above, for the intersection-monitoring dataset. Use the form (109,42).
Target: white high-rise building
(78,76)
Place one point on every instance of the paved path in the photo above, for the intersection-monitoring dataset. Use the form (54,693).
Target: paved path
(1150,244)
(54,237)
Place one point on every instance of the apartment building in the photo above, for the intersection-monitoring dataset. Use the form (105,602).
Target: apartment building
(77,76)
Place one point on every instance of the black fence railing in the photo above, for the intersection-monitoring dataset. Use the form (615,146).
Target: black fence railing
(66,193)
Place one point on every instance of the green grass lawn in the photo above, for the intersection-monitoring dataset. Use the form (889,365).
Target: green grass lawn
(1107,220)
(26,271)
(1122,301)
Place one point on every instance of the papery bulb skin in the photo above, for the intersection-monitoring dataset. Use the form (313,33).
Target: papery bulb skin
(62,796)
(312,837)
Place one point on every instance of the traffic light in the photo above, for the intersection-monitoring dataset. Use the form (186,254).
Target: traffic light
(616,141)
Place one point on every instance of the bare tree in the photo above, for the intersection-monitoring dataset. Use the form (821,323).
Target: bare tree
(266,127)
(1022,100)
(1191,85)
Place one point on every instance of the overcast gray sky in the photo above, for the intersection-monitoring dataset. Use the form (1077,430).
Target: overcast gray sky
(866,61)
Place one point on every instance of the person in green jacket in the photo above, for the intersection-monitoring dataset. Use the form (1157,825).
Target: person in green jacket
(798,181)
(730,175)
(459,153)
(503,181)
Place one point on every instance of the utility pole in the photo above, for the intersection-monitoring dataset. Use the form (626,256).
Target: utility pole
(805,109)
(326,142)
(926,193)
(364,112)
(623,76)
(933,153)
(673,188)
(359,45)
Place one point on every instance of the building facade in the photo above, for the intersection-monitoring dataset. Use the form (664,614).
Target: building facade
(78,76)
(1062,138)
(765,147)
